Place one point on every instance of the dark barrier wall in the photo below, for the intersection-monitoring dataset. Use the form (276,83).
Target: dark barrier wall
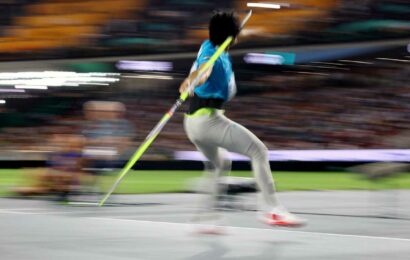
(197,165)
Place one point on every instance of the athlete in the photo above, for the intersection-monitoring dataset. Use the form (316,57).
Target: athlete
(211,132)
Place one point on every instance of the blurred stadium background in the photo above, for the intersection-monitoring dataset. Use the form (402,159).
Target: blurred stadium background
(323,83)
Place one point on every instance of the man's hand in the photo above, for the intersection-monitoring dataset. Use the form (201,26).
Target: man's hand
(184,87)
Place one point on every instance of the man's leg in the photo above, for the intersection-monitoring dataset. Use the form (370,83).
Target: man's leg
(237,138)
(209,132)
(212,172)
(219,131)
(240,140)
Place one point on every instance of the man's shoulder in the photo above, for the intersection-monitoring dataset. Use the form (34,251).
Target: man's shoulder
(206,48)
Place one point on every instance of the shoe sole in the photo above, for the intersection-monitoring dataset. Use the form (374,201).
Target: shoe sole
(281,223)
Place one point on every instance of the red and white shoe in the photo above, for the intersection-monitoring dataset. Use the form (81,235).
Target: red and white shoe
(281,217)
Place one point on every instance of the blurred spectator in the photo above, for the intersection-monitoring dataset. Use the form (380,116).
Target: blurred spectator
(108,136)
(63,175)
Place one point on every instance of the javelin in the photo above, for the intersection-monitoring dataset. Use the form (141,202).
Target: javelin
(157,129)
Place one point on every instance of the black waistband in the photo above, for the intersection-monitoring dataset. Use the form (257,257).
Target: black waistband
(197,103)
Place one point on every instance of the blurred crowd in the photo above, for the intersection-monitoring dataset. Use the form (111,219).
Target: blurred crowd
(327,117)
(63,28)
(286,111)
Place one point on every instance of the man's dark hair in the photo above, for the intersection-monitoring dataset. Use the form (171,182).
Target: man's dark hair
(222,25)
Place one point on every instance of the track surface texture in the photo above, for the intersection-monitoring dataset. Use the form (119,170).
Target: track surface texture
(342,225)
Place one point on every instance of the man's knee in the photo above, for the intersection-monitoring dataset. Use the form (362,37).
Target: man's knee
(260,151)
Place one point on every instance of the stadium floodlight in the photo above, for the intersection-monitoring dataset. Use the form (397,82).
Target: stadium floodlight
(267,5)
(31,87)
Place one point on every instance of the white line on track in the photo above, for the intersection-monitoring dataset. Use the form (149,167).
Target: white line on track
(23,209)
(8,211)
(173,224)
(160,215)
(38,212)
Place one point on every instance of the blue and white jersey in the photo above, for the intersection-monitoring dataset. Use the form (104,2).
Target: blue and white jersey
(221,82)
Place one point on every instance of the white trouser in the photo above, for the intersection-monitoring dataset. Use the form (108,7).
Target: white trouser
(209,133)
